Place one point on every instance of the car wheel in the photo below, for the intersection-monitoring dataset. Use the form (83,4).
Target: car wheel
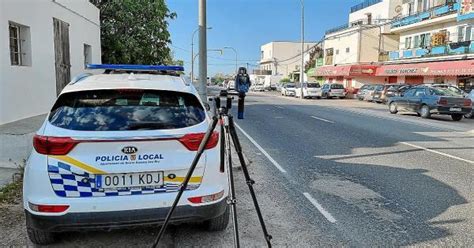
(392,107)
(425,111)
(456,117)
(469,115)
(40,237)
(218,223)
(360,99)
(318,97)
(341,97)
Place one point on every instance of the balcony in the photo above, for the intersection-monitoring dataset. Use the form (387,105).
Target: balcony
(431,14)
(354,24)
(466,47)
(364,5)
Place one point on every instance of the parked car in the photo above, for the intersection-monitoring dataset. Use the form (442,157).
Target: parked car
(362,92)
(370,92)
(333,90)
(113,147)
(382,94)
(258,87)
(427,100)
(470,96)
(288,89)
(310,90)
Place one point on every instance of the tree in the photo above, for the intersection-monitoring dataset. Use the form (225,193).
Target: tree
(135,31)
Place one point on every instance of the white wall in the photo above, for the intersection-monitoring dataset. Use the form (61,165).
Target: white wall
(27,91)
(348,39)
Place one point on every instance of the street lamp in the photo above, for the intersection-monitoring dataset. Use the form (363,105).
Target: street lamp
(302,48)
(235,51)
(221,51)
(192,53)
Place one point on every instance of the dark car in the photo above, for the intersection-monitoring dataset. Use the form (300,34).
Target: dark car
(382,94)
(470,96)
(425,101)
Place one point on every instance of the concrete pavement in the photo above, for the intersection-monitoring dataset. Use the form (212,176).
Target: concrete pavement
(16,145)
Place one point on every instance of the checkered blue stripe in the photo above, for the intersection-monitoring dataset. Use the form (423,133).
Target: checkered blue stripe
(69,181)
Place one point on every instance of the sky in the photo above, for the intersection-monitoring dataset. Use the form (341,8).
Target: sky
(247,24)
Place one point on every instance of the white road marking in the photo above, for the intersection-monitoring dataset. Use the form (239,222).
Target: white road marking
(321,119)
(280,107)
(320,208)
(440,153)
(275,163)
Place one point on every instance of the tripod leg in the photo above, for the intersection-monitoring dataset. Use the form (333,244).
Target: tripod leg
(231,199)
(186,179)
(249,181)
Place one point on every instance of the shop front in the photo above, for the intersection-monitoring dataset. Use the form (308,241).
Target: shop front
(351,76)
(459,73)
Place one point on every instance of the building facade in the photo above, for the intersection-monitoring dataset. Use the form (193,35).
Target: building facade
(436,44)
(283,58)
(414,42)
(44,44)
(352,51)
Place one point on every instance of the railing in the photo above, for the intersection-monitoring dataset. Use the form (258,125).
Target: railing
(356,23)
(364,5)
(338,28)
(466,47)
(433,13)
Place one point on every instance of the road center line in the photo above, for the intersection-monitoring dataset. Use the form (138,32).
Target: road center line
(321,119)
(275,163)
(320,208)
(439,153)
(280,107)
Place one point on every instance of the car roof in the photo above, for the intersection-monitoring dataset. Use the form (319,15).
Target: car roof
(131,81)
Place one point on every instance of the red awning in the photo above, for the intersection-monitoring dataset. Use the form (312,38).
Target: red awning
(346,70)
(445,68)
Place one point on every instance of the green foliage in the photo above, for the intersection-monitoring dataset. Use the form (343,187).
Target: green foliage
(135,31)
(285,80)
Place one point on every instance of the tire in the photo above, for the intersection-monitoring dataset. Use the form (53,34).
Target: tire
(318,97)
(341,97)
(425,111)
(456,117)
(40,237)
(392,107)
(218,223)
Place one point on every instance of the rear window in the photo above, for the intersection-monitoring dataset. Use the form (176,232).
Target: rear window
(379,87)
(290,86)
(337,86)
(120,110)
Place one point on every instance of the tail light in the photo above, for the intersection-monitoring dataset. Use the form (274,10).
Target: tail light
(193,140)
(443,101)
(467,102)
(53,145)
(206,198)
(48,208)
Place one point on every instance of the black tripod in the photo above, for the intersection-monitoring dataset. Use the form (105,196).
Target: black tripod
(228,133)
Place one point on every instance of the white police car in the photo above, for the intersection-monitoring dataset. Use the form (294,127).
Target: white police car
(114,150)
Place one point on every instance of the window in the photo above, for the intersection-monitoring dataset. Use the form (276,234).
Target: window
(337,51)
(118,110)
(464,33)
(416,42)
(348,49)
(87,55)
(261,55)
(410,92)
(407,42)
(425,40)
(19,44)
(420,92)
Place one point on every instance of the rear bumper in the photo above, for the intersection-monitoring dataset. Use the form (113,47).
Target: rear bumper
(123,219)
(445,111)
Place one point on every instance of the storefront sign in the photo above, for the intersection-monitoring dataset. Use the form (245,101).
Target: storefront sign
(346,70)
(446,68)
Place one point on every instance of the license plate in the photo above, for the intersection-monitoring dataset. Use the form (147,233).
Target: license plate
(455,109)
(128,180)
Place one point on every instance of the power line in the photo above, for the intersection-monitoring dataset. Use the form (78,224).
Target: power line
(241,60)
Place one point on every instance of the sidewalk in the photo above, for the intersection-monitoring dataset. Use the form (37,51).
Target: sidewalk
(16,144)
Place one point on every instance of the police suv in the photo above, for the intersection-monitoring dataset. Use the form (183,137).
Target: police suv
(115,149)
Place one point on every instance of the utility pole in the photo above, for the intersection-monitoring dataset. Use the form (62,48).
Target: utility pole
(202,50)
(302,48)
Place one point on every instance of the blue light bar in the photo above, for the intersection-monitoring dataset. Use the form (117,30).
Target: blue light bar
(135,67)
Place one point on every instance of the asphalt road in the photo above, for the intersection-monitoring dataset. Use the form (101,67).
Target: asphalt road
(361,177)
